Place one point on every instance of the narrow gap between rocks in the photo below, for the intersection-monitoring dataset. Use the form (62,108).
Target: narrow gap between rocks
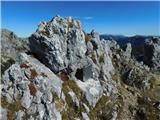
(79,74)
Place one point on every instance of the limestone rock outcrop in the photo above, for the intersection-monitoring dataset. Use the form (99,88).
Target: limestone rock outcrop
(69,74)
(59,43)
(152,52)
(28,84)
(11,45)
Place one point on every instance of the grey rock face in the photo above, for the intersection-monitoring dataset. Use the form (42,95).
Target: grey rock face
(138,77)
(152,52)
(11,45)
(3,114)
(92,90)
(80,77)
(62,46)
(59,43)
(128,51)
(19,115)
(26,90)
(26,99)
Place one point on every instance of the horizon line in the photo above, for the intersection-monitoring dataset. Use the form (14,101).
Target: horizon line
(100,33)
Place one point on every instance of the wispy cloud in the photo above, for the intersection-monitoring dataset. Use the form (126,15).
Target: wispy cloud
(88,18)
(83,17)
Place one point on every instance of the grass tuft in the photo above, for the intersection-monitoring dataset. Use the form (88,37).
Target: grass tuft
(11,107)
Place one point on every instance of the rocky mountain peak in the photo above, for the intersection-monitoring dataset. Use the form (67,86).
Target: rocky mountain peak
(58,25)
(11,45)
(70,74)
(59,42)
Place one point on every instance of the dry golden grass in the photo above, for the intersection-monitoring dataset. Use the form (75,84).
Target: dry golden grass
(88,38)
(70,24)
(11,107)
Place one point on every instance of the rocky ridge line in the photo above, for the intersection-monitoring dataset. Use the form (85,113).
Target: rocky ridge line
(70,74)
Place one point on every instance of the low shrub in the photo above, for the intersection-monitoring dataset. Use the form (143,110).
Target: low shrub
(11,107)
(33,73)
(24,65)
(32,89)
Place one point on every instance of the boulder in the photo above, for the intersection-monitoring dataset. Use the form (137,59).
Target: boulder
(92,90)
(32,90)
(59,43)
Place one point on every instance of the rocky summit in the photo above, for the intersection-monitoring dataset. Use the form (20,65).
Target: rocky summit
(63,73)
(11,45)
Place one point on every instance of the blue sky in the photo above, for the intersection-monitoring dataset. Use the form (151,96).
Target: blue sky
(125,18)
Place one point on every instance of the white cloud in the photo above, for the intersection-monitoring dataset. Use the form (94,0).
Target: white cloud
(88,18)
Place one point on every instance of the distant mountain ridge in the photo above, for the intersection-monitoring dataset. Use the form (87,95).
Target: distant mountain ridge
(137,42)
(122,40)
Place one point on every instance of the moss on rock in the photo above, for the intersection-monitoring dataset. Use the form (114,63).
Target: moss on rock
(97,112)
(59,103)
(101,59)
(71,85)
(11,107)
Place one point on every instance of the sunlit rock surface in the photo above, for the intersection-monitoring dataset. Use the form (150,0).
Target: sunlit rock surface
(69,74)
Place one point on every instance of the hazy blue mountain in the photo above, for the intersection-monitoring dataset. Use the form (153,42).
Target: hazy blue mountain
(122,40)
